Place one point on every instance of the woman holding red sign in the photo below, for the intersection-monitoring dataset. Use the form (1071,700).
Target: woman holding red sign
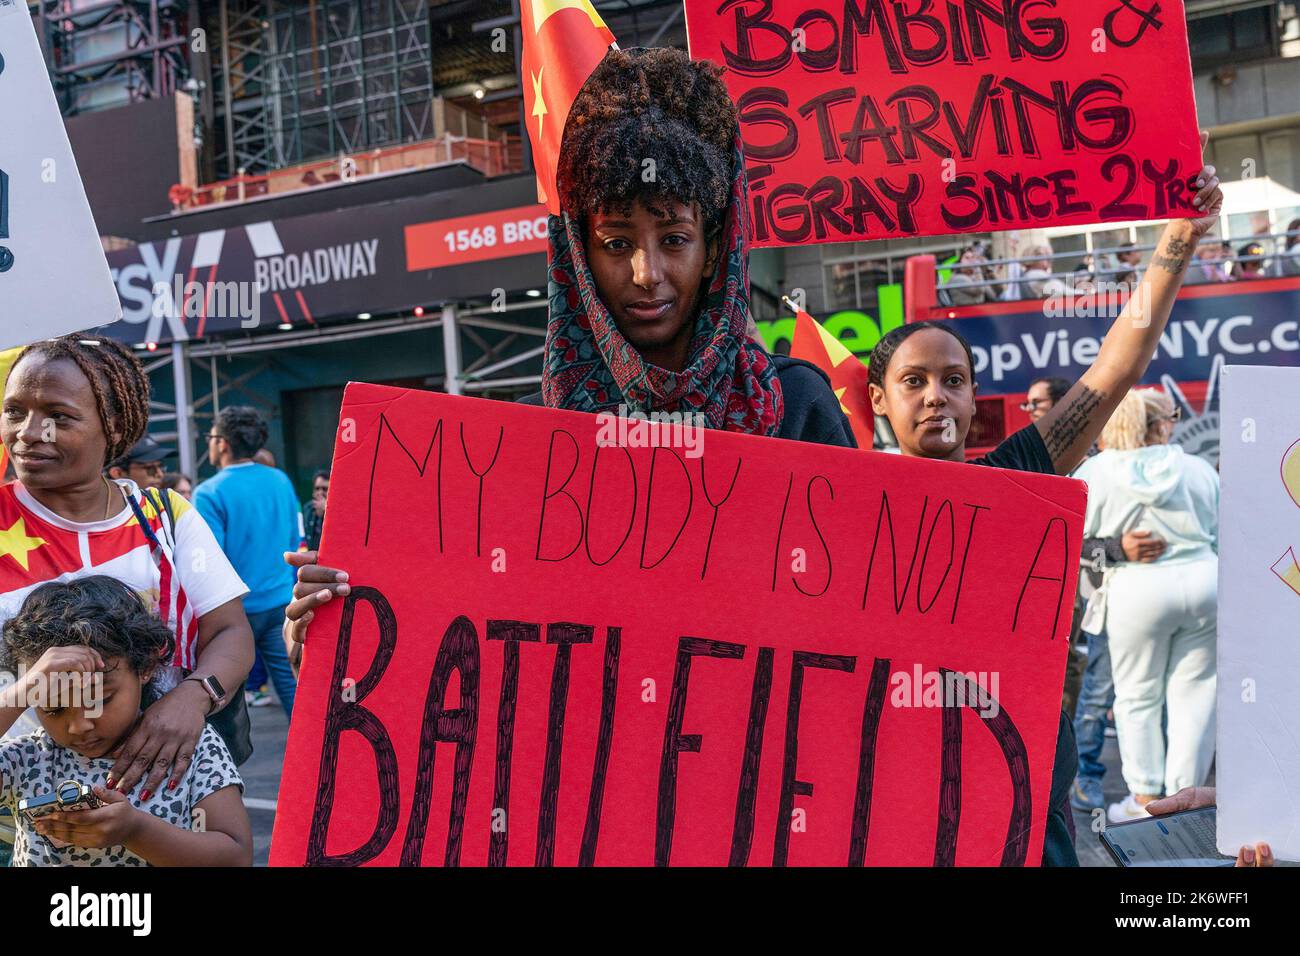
(649,311)
(922,378)
(649,275)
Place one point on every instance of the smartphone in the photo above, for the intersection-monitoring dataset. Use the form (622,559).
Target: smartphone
(68,795)
(1176,839)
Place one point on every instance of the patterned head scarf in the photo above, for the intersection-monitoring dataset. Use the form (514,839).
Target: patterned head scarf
(589,366)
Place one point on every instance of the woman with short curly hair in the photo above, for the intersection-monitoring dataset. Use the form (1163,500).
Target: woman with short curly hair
(649,277)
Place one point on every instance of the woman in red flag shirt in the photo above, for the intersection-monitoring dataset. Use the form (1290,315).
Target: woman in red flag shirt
(71,406)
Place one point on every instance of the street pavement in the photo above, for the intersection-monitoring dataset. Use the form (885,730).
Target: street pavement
(262,780)
(261,773)
(1087,844)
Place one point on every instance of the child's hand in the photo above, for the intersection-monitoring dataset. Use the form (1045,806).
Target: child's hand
(110,825)
(69,659)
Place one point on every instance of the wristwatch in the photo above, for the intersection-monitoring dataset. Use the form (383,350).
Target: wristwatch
(212,687)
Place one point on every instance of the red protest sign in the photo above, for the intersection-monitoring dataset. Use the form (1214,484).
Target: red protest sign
(575,639)
(883,118)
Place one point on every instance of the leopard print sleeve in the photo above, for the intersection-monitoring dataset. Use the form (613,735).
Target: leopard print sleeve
(213,769)
(10,766)
(20,759)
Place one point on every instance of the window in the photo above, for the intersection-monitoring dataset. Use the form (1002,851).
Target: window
(1233,37)
(1282,157)
(1237,157)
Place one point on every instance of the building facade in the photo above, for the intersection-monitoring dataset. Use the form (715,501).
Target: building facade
(298,194)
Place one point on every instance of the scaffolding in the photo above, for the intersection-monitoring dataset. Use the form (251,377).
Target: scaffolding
(300,81)
(105,53)
(238,90)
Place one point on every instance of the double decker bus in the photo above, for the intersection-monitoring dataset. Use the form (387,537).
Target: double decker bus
(1249,321)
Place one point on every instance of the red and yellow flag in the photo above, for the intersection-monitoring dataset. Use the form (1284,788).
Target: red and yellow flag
(848,374)
(6,363)
(564,40)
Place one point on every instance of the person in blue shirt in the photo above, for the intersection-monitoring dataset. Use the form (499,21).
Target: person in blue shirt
(253,511)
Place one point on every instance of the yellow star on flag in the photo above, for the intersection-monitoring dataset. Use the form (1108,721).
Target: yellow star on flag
(545,9)
(539,104)
(835,349)
(839,393)
(16,543)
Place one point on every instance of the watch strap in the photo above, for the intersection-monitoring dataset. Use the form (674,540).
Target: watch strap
(213,699)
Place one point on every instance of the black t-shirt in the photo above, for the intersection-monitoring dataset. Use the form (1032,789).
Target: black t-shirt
(1025,451)
(812,412)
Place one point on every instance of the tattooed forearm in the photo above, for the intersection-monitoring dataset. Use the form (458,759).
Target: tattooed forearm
(1072,423)
(1175,259)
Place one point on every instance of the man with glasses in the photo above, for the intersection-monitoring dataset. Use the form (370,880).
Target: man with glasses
(143,464)
(253,513)
(1043,394)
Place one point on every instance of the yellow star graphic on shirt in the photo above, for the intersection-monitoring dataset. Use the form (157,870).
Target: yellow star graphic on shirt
(539,104)
(16,543)
(839,393)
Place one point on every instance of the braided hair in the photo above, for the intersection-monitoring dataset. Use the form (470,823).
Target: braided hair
(649,105)
(117,379)
(888,345)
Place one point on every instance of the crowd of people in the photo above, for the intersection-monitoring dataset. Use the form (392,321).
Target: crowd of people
(1146,614)
(1036,272)
(649,308)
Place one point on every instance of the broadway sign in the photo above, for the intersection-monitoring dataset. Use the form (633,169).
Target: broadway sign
(327,267)
(575,641)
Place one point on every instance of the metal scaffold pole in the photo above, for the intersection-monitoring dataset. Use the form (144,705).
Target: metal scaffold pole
(451,350)
(184,406)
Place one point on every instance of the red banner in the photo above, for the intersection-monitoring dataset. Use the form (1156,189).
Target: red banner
(577,639)
(485,235)
(885,118)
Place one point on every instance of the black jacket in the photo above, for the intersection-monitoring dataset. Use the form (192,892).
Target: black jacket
(812,412)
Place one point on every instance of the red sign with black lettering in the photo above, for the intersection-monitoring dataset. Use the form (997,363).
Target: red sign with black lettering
(874,119)
(579,640)
(485,235)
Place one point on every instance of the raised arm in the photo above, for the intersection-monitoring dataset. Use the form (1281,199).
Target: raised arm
(1074,423)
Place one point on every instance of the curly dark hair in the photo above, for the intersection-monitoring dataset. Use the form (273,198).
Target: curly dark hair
(888,345)
(99,612)
(655,104)
(244,427)
(117,378)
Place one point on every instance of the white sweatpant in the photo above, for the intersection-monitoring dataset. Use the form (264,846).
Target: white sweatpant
(1161,622)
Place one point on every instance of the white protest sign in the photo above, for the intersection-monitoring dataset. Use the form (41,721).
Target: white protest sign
(1258,769)
(53,274)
